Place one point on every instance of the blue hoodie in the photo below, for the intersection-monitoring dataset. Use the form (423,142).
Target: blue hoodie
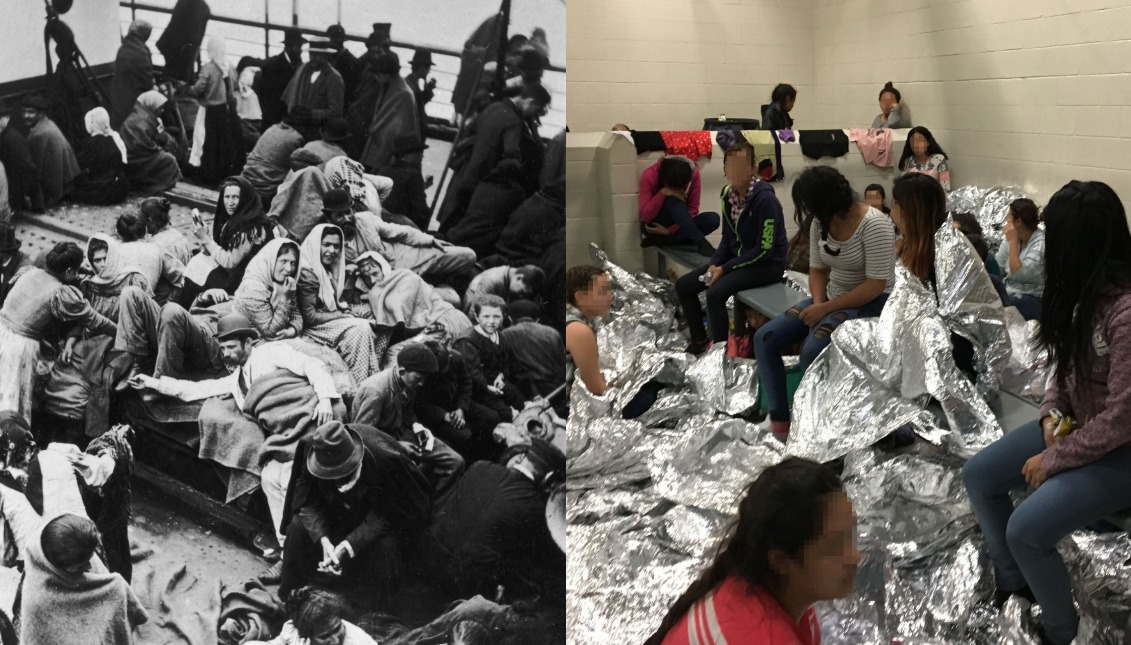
(756,235)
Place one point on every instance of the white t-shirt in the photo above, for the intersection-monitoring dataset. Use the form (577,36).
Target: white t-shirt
(868,254)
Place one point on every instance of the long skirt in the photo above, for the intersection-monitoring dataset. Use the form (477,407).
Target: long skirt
(352,339)
(217,143)
(19,358)
(154,174)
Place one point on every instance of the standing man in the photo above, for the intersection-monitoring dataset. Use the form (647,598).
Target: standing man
(395,112)
(423,88)
(344,61)
(317,85)
(276,73)
(133,72)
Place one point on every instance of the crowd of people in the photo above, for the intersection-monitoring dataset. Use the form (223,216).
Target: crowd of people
(394,385)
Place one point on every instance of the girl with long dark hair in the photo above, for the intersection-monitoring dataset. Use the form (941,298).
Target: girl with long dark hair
(851,269)
(1077,455)
(921,153)
(776,115)
(1022,256)
(793,544)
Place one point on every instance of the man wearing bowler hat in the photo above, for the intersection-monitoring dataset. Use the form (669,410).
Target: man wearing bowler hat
(326,147)
(344,61)
(270,160)
(408,195)
(276,72)
(12,259)
(354,499)
(423,88)
(316,84)
(247,361)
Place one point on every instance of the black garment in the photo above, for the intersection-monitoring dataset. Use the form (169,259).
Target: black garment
(219,278)
(223,154)
(229,232)
(133,74)
(823,143)
(22,171)
(423,95)
(450,390)
(350,69)
(408,196)
(274,75)
(553,294)
(490,531)
(70,99)
(487,214)
(688,288)
(648,141)
(360,110)
(536,354)
(774,118)
(389,506)
(181,39)
(531,229)
(103,179)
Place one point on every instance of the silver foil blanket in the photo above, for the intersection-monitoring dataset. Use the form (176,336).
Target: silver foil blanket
(649,499)
(989,205)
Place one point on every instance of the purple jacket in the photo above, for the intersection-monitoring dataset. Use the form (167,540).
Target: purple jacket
(1107,406)
(756,235)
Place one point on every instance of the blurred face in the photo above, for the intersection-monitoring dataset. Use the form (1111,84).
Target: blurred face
(98,261)
(490,319)
(598,299)
(887,99)
(234,352)
(874,199)
(285,266)
(897,214)
(331,250)
(231,198)
(827,567)
(738,169)
(333,635)
(412,379)
(371,272)
(919,145)
(789,103)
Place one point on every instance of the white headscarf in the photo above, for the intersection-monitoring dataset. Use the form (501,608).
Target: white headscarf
(218,53)
(310,257)
(98,122)
(261,268)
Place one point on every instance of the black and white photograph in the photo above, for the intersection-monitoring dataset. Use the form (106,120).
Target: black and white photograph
(282,352)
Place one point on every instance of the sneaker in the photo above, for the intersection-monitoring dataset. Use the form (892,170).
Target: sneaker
(698,347)
(706,248)
(273,575)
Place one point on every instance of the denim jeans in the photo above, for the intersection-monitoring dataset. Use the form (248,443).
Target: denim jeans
(643,401)
(1022,541)
(1029,306)
(688,288)
(691,229)
(787,329)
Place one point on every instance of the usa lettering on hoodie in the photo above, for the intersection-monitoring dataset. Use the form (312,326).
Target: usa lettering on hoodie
(754,235)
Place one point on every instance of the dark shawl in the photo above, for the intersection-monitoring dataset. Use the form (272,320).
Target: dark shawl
(133,74)
(181,40)
(227,231)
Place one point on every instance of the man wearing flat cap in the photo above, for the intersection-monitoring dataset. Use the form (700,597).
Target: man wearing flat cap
(275,74)
(317,85)
(355,500)
(386,401)
(248,361)
(492,530)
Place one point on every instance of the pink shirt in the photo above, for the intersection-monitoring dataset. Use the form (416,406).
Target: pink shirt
(651,199)
(733,614)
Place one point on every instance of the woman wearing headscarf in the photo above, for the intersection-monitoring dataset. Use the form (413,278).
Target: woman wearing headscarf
(399,296)
(239,230)
(368,191)
(216,138)
(150,167)
(326,318)
(102,158)
(267,293)
(111,275)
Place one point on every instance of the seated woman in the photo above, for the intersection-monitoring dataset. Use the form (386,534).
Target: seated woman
(669,206)
(40,302)
(1076,455)
(589,295)
(851,270)
(876,197)
(921,153)
(110,276)
(239,231)
(102,158)
(394,297)
(164,273)
(969,225)
(267,295)
(155,212)
(1022,257)
(316,618)
(151,167)
(326,318)
(775,116)
(891,112)
(793,544)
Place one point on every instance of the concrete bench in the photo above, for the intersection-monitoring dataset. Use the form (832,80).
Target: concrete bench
(682,255)
(770,300)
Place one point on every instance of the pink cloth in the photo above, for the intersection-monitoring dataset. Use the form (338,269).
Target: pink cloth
(651,200)
(874,144)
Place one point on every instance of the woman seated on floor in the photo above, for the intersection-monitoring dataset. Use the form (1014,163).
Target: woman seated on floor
(851,270)
(794,544)
(1076,456)
(589,295)
(1022,258)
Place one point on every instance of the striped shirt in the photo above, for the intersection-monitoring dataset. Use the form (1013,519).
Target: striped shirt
(733,614)
(869,253)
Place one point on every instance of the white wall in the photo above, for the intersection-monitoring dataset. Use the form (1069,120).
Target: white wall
(668,64)
(95,23)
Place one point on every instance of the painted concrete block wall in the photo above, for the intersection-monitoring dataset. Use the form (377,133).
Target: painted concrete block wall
(1032,93)
(668,64)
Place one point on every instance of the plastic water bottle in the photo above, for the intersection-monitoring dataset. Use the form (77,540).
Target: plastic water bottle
(706,277)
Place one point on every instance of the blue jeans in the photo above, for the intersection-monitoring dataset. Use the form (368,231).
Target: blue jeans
(1029,306)
(1022,541)
(643,401)
(786,330)
(691,229)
